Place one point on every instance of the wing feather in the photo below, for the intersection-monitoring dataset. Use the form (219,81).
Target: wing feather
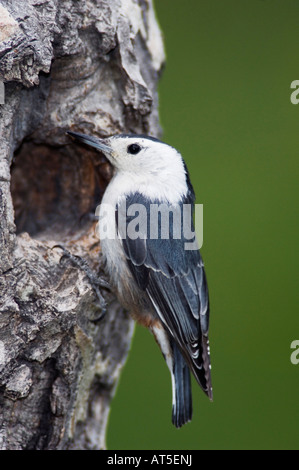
(175,283)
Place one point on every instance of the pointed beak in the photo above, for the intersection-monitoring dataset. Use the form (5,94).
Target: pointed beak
(99,144)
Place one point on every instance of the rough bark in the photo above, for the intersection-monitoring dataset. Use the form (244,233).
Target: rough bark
(91,66)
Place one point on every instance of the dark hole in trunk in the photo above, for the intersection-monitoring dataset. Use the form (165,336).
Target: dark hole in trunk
(56,190)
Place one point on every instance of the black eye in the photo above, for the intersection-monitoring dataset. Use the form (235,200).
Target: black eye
(133,149)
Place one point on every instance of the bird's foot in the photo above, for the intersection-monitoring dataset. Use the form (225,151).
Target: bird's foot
(95,281)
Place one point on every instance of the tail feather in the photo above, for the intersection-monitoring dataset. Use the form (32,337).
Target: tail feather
(182,398)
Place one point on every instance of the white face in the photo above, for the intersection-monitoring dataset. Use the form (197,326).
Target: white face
(142,156)
(142,164)
(152,167)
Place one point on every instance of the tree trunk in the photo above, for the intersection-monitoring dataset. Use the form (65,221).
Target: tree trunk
(92,67)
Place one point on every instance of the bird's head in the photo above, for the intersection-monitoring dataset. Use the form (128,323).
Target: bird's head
(144,159)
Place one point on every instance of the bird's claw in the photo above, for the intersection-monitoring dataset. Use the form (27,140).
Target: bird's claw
(94,281)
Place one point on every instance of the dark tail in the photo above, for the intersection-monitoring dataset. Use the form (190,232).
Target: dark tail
(181,384)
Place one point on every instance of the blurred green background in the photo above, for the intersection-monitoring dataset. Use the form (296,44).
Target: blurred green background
(225,104)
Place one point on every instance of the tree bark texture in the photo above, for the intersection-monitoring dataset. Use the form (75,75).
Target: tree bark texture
(89,66)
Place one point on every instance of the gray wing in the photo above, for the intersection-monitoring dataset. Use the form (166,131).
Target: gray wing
(175,283)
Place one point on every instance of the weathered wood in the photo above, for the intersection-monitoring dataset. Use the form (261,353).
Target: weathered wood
(91,67)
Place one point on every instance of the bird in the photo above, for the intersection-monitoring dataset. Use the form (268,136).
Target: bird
(161,283)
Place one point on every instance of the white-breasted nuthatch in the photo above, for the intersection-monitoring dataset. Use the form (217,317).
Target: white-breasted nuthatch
(156,278)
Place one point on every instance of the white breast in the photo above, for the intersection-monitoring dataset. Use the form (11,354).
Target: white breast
(121,185)
(111,244)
